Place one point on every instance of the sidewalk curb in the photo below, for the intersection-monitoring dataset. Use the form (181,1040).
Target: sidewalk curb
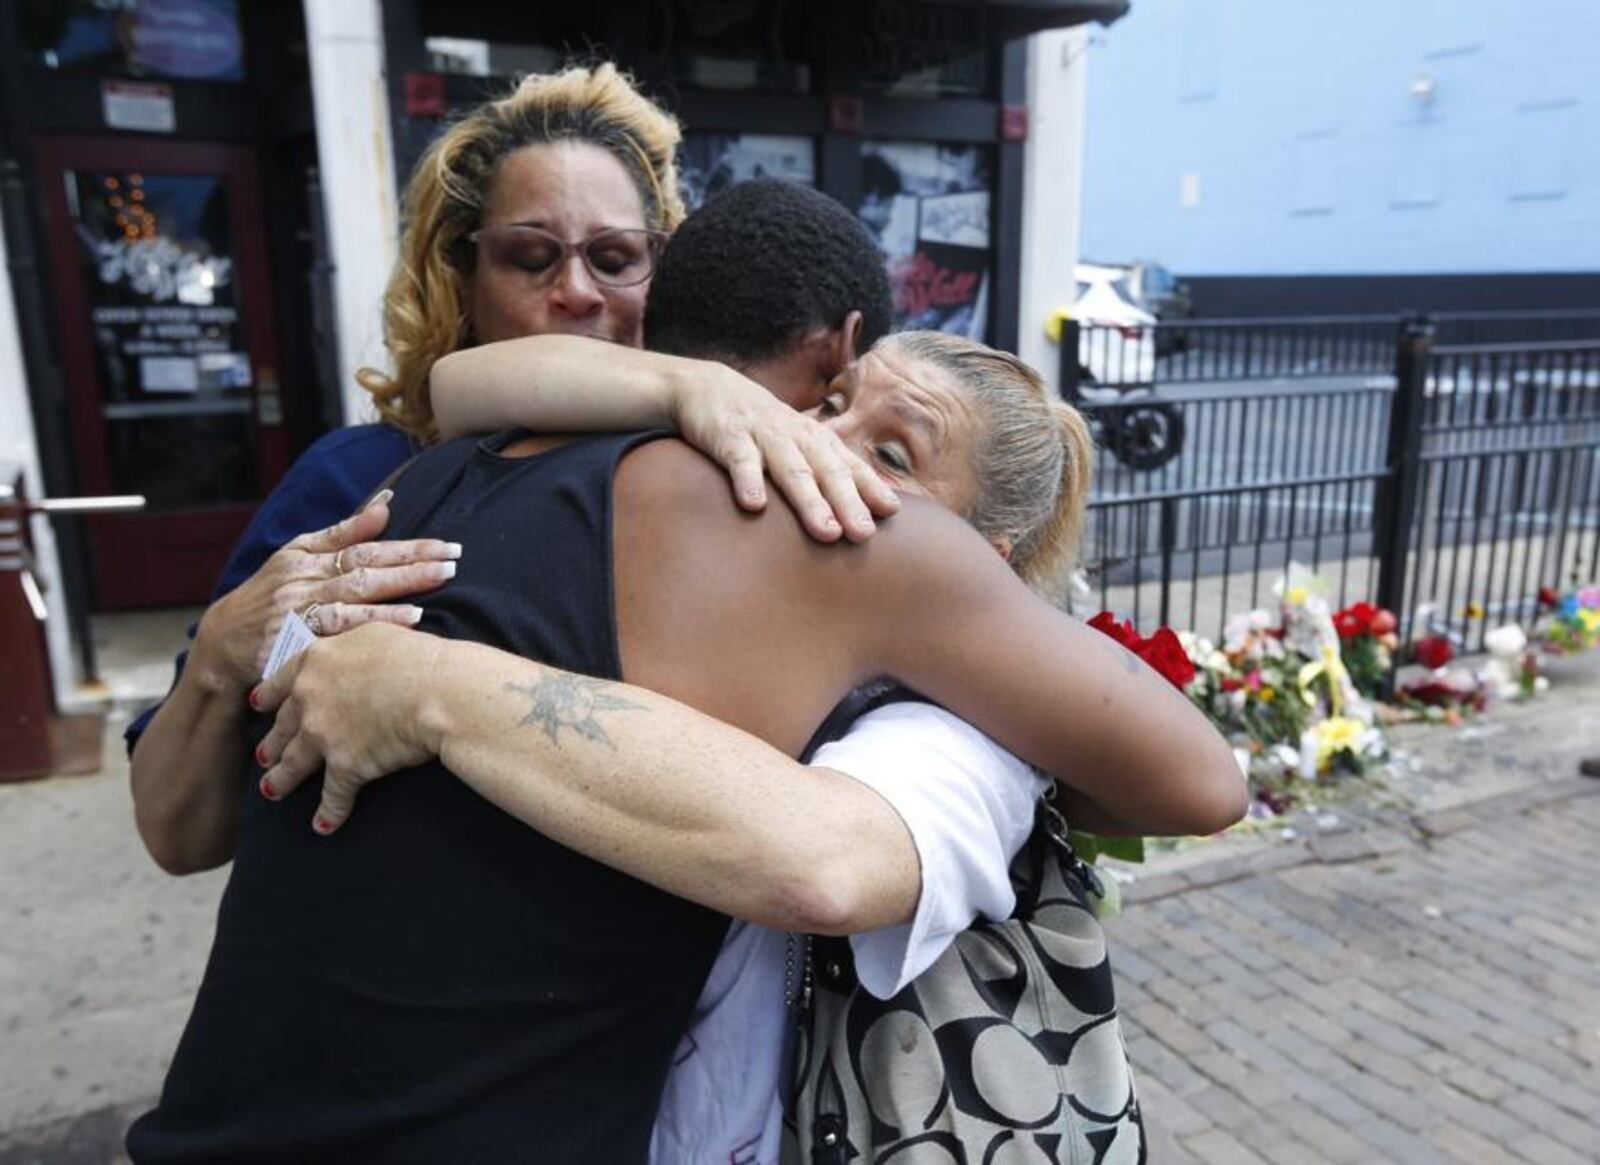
(1365,840)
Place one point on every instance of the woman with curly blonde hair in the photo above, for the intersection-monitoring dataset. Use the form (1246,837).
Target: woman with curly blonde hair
(436,302)
(539,212)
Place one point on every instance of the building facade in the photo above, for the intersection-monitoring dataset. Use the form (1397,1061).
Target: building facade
(201,210)
(1441,154)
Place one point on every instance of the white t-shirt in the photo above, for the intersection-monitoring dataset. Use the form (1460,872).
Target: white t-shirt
(969,806)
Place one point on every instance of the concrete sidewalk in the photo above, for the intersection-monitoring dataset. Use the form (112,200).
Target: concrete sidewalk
(100,956)
(1286,1000)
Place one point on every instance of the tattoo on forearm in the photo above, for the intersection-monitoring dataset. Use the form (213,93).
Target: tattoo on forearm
(1130,662)
(574,702)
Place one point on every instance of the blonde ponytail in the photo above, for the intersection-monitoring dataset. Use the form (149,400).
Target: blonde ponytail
(1060,539)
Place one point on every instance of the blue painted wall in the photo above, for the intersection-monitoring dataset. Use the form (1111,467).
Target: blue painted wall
(1283,137)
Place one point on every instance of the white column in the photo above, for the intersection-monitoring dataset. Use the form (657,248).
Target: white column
(344,39)
(1052,186)
(19,446)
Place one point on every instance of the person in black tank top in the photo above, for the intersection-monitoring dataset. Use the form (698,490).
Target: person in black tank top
(492,993)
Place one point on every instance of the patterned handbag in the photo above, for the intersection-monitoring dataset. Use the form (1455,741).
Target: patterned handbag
(1006,1049)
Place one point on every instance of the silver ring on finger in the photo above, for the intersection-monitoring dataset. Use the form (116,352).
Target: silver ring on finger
(313,618)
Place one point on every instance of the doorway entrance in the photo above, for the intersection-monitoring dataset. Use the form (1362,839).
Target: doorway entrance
(158,262)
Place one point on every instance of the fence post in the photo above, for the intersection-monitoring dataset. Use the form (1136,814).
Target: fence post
(1168,535)
(1396,504)
(1071,371)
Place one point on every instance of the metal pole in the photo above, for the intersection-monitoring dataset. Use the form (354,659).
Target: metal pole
(324,322)
(1397,494)
(1071,371)
(1168,535)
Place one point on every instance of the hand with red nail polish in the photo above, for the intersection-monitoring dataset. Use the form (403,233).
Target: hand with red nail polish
(187,768)
(349,709)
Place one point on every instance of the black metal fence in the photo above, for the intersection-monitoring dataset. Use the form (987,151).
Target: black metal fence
(1507,489)
(1464,482)
(1118,357)
(1515,327)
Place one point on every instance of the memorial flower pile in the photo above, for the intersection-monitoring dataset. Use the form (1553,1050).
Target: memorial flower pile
(1295,687)
(1279,688)
(1368,638)
(1440,691)
(1448,690)
(1570,620)
(1444,694)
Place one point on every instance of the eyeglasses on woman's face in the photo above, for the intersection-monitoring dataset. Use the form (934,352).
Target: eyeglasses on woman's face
(617,257)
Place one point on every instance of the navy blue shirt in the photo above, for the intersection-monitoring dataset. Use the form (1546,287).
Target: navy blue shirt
(324,486)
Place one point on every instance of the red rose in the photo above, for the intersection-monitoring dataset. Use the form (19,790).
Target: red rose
(1348,625)
(1165,653)
(1549,596)
(1106,623)
(1383,622)
(1433,651)
(1356,619)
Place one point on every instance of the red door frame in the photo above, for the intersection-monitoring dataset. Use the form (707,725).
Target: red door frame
(171,557)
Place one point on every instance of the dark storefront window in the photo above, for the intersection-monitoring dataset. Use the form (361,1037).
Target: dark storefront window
(915,49)
(171,39)
(891,106)
(737,45)
(468,57)
(719,45)
(928,206)
(709,162)
(164,317)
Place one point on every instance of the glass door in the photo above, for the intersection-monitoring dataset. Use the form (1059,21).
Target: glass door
(169,350)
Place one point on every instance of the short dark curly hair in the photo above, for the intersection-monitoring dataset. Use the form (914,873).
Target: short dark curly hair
(759,265)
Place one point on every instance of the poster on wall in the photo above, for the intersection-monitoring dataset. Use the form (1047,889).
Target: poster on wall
(709,162)
(180,39)
(928,207)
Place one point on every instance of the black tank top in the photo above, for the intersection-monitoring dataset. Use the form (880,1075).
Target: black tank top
(439,982)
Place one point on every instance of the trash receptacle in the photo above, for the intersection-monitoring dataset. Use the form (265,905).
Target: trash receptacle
(26,695)
(28,716)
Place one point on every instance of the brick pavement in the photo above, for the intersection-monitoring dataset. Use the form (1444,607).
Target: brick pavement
(1416,999)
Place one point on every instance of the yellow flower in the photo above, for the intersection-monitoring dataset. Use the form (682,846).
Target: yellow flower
(1268,693)
(1335,735)
(1589,619)
(1295,595)
(1473,611)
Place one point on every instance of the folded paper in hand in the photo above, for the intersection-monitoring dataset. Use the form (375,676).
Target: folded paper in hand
(293,638)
